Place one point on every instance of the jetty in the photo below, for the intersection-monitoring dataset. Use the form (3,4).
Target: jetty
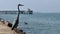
(28,11)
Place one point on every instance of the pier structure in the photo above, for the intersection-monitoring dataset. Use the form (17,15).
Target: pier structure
(11,12)
(15,12)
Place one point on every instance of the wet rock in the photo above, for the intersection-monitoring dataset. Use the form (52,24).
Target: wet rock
(9,24)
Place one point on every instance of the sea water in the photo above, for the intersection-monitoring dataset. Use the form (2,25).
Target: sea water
(38,23)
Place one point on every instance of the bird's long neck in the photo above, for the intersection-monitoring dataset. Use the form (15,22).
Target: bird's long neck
(18,13)
(18,10)
(16,21)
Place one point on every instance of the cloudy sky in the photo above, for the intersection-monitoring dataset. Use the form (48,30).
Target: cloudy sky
(35,5)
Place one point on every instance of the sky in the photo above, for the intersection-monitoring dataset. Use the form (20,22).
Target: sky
(35,5)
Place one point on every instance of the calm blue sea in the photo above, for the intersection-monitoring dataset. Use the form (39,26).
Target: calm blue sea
(38,23)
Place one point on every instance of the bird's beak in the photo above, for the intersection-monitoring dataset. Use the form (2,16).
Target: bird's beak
(20,5)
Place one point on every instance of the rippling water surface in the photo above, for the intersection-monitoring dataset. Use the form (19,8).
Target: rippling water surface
(38,23)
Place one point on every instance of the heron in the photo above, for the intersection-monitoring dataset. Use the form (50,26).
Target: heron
(16,21)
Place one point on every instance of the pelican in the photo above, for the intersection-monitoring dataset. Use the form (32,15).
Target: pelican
(16,21)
